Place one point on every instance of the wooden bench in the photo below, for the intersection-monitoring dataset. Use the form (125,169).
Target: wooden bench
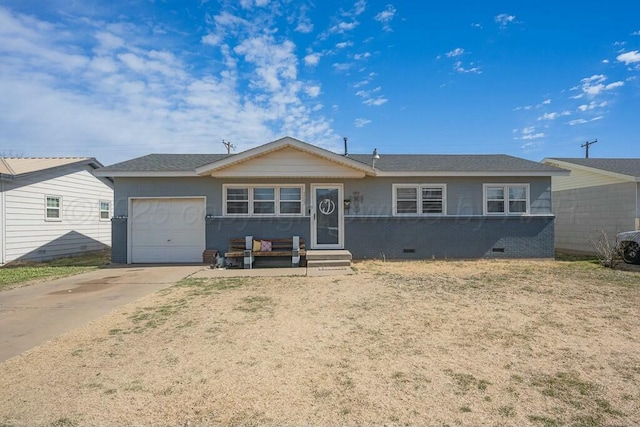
(282,247)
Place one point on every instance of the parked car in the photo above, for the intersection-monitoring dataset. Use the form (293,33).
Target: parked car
(629,246)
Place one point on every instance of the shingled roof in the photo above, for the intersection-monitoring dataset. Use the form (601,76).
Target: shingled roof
(453,163)
(629,167)
(165,163)
(386,163)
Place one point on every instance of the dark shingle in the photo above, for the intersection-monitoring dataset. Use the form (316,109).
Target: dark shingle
(453,163)
(165,163)
(629,167)
(387,163)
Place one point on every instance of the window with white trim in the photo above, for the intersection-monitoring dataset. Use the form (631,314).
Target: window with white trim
(267,200)
(105,210)
(419,199)
(53,208)
(506,199)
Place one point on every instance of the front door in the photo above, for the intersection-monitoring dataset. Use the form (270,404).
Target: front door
(327,217)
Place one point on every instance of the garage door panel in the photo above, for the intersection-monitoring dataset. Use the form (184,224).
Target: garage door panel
(167,230)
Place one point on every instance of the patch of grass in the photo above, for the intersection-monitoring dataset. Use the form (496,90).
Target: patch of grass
(588,421)
(561,256)
(465,409)
(544,421)
(64,422)
(565,386)
(254,304)
(152,317)
(507,411)
(23,272)
(321,393)
(211,286)
(605,407)
(583,395)
(466,382)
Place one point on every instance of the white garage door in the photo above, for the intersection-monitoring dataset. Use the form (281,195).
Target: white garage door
(167,230)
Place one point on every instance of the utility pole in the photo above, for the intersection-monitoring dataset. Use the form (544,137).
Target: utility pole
(228,145)
(586,147)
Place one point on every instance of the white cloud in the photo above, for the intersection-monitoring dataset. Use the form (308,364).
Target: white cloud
(361,56)
(476,25)
(274,62)
(636,33)
(594,85)
(592,105)
(375,101)
(304,26)
(554,115)
(121,88)
(546,102)
(576,122)
(211,39)
(312,59)
(342,45)
(312,91)
(455,52)
(461,69)
(629,57)
(359,7)
(341,66)
(248,4)
(386,16)
(360,122)
(531,136)
(583,121)
(529,133)
(343,27)
(504,19)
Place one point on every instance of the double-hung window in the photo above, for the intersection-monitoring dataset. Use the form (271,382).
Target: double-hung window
(419,199)
(263,200)
(53,208)
(506,199)
(105,210)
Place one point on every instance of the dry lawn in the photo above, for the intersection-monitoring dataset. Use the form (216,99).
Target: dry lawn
(537,343)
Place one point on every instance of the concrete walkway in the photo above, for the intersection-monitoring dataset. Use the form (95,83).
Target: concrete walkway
(32,315)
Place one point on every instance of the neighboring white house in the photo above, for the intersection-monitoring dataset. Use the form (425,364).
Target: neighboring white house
(599,195)
(53,207)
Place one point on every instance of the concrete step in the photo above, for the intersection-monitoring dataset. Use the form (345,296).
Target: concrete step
(321,255)
(328,263)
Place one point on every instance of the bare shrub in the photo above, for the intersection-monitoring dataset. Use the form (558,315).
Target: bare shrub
(607,251)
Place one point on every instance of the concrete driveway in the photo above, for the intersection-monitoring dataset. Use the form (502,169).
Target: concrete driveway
(32,315)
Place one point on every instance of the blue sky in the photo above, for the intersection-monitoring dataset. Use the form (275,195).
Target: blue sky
(120,79)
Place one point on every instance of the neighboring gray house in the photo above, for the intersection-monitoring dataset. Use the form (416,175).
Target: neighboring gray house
(52,207)
(171,207)
(599,194)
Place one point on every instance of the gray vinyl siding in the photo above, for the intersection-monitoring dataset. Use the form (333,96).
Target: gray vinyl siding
(431,236)
(450,237)
(582,212)
(27,233)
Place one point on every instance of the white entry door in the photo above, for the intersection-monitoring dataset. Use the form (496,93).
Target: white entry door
(327,216)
